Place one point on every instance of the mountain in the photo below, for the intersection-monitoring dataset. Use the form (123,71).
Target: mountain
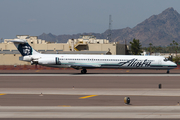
(159,29)
(64,38)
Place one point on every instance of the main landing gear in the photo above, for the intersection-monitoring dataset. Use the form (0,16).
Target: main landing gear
(167,71)
(83,71)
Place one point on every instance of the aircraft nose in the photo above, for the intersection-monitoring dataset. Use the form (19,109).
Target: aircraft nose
(174,64)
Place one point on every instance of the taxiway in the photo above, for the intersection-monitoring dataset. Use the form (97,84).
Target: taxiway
(66,94)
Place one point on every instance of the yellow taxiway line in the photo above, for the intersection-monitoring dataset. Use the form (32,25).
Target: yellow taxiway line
(88,96)
(2,94)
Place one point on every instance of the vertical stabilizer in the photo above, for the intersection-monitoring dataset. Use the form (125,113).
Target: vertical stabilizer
(23,47)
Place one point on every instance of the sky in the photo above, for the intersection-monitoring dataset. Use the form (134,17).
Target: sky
(34,17)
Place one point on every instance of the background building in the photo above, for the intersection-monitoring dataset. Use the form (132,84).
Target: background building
(86,44)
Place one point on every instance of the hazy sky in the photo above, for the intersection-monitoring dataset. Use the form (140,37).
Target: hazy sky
(34,17)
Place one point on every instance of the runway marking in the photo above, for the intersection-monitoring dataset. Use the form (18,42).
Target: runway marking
(2,94)
(88,96)
(64,105)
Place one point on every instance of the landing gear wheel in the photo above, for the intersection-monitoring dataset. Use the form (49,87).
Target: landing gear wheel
(167,71)
(83,71)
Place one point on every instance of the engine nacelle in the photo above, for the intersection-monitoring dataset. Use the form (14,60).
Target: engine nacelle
(25,58)
(49,61)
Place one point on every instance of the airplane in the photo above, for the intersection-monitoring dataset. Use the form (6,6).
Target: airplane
(85,62)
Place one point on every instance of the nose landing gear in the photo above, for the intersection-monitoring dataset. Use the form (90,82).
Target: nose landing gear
(167,71)
(83,71)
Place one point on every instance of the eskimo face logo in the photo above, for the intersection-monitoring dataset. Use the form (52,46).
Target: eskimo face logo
(25,49)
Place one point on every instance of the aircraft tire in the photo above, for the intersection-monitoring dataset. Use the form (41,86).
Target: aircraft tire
(83,71)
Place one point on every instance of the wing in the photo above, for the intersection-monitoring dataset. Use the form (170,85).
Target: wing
(85,66)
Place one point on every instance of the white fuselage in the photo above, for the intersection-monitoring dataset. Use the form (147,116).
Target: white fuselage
(102,61)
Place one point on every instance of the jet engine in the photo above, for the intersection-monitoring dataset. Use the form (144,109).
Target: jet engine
(49,61)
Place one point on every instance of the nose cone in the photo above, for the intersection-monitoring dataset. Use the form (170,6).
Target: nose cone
(174,65)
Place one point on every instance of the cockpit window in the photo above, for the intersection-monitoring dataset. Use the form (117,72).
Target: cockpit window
(166,59)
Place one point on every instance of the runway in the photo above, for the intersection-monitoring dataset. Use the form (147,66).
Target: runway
(92,91)
(91,71)
(140,112)
(96,95)
(85,100)
(99,82)
(86,75)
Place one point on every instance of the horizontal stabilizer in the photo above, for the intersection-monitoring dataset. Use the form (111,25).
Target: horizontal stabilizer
(18,41)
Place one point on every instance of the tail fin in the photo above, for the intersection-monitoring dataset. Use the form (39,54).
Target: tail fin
(23,47)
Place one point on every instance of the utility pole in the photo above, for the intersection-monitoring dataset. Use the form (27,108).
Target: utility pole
(110,29)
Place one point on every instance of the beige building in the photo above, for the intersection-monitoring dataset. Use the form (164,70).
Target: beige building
(86,44)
